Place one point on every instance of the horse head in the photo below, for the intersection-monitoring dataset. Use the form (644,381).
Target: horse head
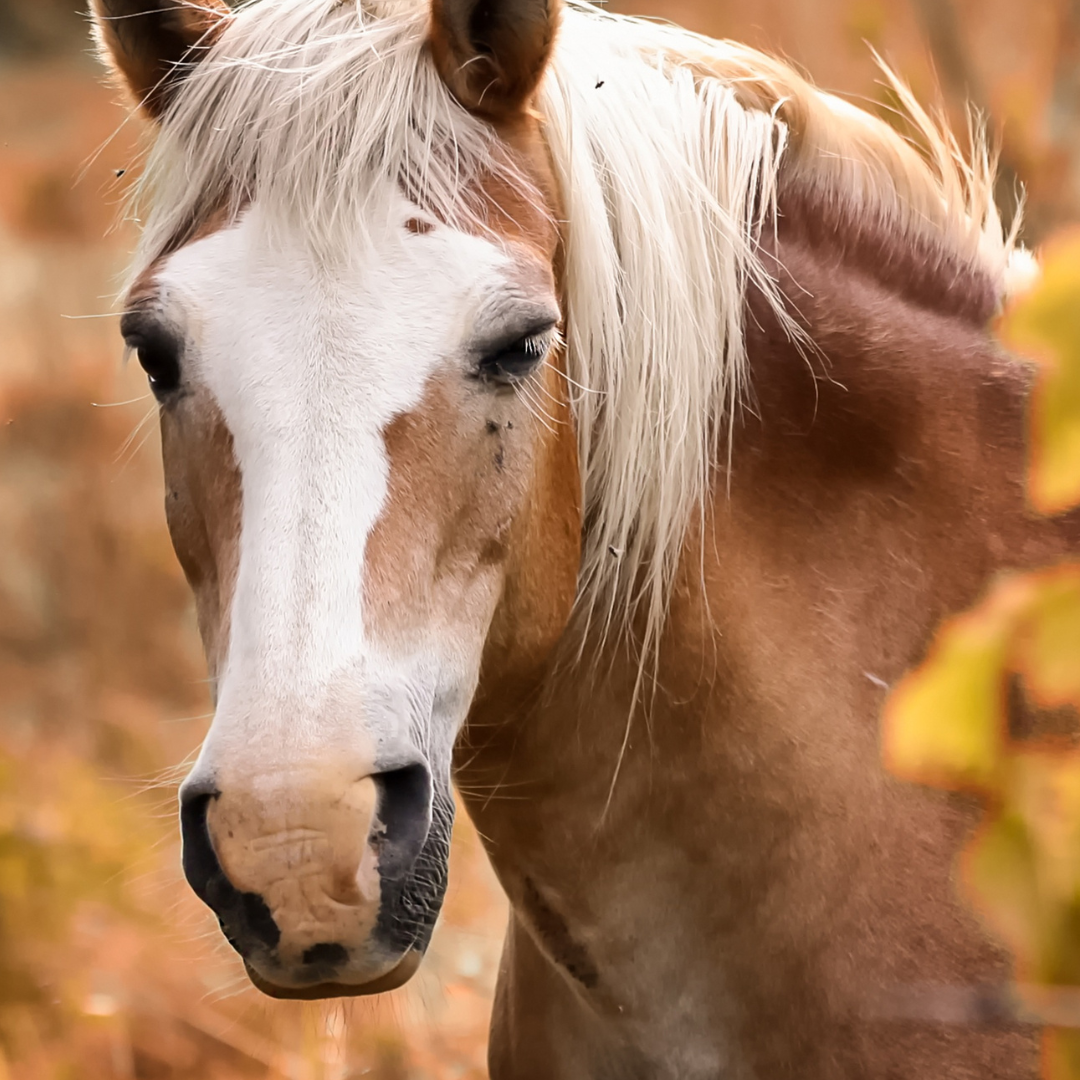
(370,467)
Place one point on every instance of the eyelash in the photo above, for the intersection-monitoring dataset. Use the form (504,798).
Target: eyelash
(520,358)
(158,353)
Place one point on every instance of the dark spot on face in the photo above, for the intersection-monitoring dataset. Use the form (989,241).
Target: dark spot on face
(509,425)
(493,553)
(554,932)
(492,428)
(500,459)
(327,954)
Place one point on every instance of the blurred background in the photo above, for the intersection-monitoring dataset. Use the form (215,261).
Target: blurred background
(109,967)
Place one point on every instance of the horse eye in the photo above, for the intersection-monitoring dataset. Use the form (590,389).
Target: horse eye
(158,351)
(514,361)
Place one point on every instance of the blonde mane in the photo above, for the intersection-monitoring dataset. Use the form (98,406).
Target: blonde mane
(669,149)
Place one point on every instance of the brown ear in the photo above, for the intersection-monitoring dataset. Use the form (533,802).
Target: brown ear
(150,43)
(491,53)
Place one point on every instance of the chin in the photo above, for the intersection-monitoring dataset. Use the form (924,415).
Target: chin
(397,976)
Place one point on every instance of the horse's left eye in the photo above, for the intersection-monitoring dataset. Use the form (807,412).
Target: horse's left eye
(158,351)
(519,358)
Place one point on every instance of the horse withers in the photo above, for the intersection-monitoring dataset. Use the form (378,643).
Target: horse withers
(600,417)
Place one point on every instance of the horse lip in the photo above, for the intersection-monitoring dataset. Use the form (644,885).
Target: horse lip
(395,977)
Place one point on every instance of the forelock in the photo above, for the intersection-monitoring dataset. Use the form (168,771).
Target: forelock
(313,109)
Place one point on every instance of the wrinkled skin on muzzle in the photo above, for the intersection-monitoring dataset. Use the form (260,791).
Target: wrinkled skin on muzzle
(311,881)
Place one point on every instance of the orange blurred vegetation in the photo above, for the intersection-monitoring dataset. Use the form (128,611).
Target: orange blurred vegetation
(109,967)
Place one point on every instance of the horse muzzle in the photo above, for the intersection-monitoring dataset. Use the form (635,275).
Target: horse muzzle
(310,873)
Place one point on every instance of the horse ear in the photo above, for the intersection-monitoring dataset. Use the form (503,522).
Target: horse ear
(492,53)
(150,43)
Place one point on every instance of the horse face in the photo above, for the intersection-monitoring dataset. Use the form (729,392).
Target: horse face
(370,489)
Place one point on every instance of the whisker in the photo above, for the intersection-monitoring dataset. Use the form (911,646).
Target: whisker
(535,409)
(119,404)
(152,412)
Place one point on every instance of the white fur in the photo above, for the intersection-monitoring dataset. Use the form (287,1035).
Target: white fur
(309,364)
(668,147)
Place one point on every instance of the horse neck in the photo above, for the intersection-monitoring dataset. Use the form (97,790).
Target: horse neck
(875,485)
(884,466)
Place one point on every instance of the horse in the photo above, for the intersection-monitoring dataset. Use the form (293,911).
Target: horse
(600,418)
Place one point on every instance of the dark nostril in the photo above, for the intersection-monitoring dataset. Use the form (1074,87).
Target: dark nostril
(405,814)
(201,866)
(243,916)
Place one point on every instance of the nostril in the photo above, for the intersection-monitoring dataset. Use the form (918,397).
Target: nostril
(405,814)
(201,866)
(243,916)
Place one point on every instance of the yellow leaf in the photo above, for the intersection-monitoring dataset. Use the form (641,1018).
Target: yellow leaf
(1044,787)
(1023,871)
(1048,644)
(945,723)
(999,873)
(1045,325)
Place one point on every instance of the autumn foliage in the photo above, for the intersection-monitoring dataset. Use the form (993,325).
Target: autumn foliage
(948,723)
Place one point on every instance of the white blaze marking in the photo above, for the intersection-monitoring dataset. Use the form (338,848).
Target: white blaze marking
(308,365)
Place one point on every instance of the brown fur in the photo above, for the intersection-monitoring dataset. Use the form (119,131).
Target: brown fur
(519,483)
(918,268)
(492,54)
(202,504)
(148,43)
(759,883)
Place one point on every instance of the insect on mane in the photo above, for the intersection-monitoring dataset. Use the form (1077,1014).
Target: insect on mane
(671,151)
